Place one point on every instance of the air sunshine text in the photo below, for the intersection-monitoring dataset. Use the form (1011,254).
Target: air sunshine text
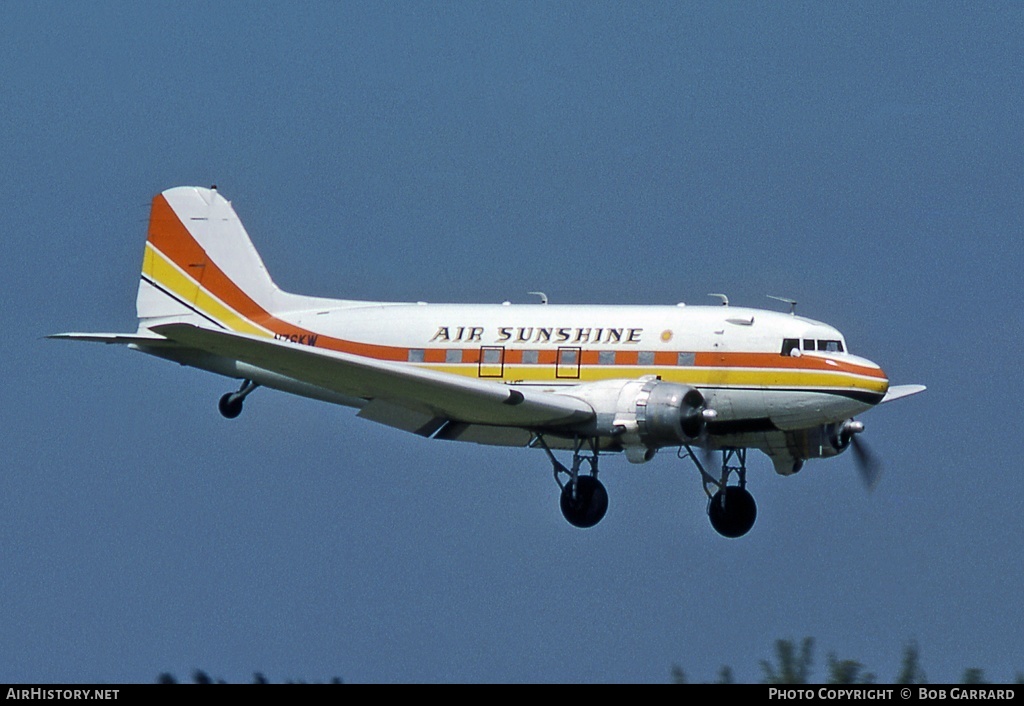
(538,334)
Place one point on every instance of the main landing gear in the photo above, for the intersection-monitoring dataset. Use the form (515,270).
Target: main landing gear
(230,405)
(731,508)
(584,500)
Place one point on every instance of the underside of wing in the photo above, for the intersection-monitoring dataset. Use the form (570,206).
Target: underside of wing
(400,395)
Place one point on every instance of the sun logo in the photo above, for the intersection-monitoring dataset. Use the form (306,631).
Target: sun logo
(666,336)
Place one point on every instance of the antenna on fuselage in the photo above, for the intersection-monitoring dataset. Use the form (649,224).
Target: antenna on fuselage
(791,302)
(542,295)
(725,299)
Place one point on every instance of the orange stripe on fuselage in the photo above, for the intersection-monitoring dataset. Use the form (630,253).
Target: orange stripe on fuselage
(774,361)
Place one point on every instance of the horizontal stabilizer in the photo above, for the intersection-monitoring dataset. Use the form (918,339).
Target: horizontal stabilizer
(897,391)
(120,338)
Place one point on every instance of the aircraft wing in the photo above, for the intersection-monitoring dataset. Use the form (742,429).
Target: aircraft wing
(393,389)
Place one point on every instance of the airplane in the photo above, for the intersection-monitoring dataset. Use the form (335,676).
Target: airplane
(591,380)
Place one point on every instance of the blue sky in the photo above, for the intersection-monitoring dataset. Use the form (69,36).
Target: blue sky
(861,158)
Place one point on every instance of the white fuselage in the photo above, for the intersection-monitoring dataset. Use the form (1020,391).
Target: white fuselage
(733,355)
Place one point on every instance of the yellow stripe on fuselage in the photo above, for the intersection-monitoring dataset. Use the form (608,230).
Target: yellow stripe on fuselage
(764,378)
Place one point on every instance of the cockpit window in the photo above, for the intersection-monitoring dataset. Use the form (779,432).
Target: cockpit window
(789,345)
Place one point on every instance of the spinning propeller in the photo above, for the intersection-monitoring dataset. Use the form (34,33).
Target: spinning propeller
(868,464)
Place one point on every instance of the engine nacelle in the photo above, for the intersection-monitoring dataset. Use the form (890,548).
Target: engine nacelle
(822,441)
(645,414)
(639,454)
(667,414)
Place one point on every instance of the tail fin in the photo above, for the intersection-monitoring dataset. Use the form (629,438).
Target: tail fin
(201,267)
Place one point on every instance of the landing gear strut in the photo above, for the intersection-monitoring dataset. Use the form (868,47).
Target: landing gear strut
(584,500)
(230,405)
(731,508)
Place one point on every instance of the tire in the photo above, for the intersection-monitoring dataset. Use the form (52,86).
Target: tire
(738,515)
(589,505)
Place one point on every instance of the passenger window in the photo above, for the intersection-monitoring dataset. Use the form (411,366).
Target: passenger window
(789,345)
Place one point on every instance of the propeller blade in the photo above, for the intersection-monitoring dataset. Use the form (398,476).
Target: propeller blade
(708,455)
(868,464)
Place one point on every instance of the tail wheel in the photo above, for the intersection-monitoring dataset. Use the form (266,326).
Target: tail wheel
(230,405)
(587,505)
(734,517)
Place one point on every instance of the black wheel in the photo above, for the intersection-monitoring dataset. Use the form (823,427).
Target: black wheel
(589,505)
(738,515)
(230,405)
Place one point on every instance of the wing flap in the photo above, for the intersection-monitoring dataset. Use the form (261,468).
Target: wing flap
(402,417)
(404,386)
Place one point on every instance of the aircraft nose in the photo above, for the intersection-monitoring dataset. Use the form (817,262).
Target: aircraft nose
(884,383)
(880,385)
(873,380)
